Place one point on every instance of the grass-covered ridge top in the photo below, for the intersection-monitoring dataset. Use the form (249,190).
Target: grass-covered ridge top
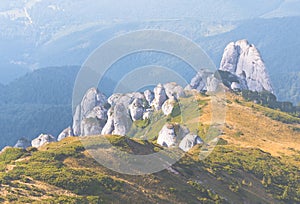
(65,172)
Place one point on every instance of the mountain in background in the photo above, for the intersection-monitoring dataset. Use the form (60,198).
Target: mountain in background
(37,102)
(273,37)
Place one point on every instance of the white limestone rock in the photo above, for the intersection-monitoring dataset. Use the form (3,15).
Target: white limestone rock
(174,90)
(213,84)
(42,139)
(136,109)
(168,106)
(244,60)
(68,132)
(93,106)
(122,120)
(160,97)
(77,121)
(167,136)
(236,86)
(92,99)
(199,82)
(189,141)
(148,113)
(23,143)
(109,126)
(149,96)
(91,126)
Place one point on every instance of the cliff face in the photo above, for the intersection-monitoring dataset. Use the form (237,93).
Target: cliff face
(241,68)
(244,60)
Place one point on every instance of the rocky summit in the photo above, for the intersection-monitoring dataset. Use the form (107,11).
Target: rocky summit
(244,60)
(241,68)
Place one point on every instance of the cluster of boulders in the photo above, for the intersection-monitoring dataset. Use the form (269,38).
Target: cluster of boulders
(177,135)
(241,68)
(115,115)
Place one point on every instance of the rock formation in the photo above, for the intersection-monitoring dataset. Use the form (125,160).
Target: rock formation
(65,133)
(23,143)
(42,139)
(173,90)
(189,141)
(241,68)
(160,96)
(136,109)
(244,60)
(167,136)
(90,112)
(168,106)
(171,134)
(199,82)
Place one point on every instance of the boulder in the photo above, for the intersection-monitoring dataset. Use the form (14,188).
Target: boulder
(136,109)
(109,126)
(122,120)
(42,139)
(92,108)
(149,96)
(168,106)
(91,126)
(65,133)
(213,84)
(199,82)
(173,90)
(160,97)
(167,136)
(23,143)
(189,141)
(148,113)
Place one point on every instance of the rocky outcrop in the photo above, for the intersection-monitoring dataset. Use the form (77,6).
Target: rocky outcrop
(160,97)
(149,96)
(173,90)
(65,133)
(241,68)
(244,60)
(213,84)
(136,109)
(90,112)
(125,108)
(167,136)
(168,106)
(122,120)
(199,82)
(23,143)
(189,141)
(42,139)
(171,134)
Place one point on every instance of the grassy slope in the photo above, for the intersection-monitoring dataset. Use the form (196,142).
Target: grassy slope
(259,163)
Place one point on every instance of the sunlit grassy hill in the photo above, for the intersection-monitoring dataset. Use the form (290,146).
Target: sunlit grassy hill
(257,160)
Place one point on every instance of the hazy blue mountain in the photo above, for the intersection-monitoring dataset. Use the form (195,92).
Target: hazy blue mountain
(30,120)
(44,86)
(39,102)
(273,37)
(26,33)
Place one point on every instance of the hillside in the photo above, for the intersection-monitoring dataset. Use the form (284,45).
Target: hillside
(256,161)
(29,104)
